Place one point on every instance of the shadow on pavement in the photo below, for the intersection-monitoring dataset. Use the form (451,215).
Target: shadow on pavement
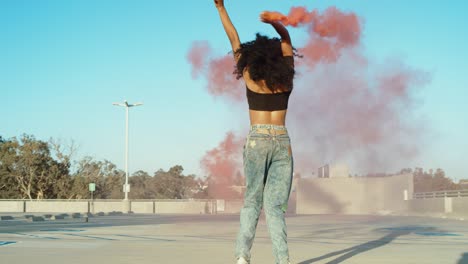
(464,259)
(355,250)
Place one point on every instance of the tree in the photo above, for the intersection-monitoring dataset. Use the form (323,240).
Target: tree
(173,184)
(139,182)
(406,170)
(8,185)
(35,169)
(422,181)
(28,167)
(430,181)
(441,183)
(108,179)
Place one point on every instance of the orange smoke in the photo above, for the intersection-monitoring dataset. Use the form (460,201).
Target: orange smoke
(223,164)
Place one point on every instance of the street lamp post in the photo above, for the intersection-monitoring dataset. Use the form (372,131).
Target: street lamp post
(127,106)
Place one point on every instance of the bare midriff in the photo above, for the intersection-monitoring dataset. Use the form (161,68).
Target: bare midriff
(268,117)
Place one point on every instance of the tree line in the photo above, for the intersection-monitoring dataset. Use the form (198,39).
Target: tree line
(425,180)
(36,169)
(431,180)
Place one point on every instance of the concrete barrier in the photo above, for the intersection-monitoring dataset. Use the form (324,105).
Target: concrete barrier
(353,195)
(106,207)
(56,206)
(460,206)
(431,206)
(232,206)
(141,207)
(456,206)
(12,206)
(183,207)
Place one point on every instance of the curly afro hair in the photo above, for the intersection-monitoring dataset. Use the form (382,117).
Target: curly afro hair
(264,60)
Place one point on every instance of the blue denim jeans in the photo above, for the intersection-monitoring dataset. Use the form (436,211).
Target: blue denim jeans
(268,169)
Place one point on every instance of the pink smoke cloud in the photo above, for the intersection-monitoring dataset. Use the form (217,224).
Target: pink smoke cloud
(329,32)
(222,165)
(221,80)
(357,113)
(197,56)
(218,72)
(343,108)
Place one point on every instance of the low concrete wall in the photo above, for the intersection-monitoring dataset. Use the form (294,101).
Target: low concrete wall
(460,205)
(427,206)
(106,206)
(449,206)
(142,207)
(232,207)
(47,206)
(356,195)
(12,206)
(183,207)
(443,206)
(110,206)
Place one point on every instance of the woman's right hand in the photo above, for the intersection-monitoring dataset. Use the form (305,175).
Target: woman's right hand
(219,3)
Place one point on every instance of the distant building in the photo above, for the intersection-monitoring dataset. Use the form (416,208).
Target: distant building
(333,171)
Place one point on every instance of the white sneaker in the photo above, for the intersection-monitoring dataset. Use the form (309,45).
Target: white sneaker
(242,260)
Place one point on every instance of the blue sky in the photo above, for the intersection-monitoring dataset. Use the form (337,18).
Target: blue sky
(63,64)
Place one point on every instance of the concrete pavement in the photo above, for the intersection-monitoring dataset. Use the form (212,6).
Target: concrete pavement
(209,239)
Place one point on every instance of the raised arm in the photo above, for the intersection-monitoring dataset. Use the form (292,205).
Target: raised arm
(286,45)
(228,27)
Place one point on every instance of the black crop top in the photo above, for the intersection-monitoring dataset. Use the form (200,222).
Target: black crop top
(270,101)
(267,101)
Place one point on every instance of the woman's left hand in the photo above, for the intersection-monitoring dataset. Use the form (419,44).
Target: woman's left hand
(265,17)
(273,17)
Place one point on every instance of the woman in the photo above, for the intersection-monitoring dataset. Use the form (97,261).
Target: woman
(267,67)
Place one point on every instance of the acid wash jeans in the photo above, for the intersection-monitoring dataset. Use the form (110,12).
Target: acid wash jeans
(268,169)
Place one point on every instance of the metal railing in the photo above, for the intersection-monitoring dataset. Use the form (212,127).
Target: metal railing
(441,194)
